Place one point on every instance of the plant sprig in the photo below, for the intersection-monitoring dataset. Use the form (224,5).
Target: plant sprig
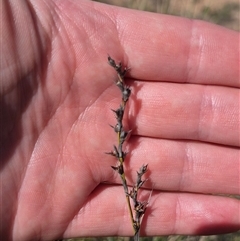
(138,206)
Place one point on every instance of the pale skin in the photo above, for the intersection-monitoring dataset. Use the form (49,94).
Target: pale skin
(57,90)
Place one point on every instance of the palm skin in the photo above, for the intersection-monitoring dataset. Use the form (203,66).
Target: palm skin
(57,91)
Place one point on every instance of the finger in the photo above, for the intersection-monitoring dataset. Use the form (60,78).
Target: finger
(168,213)
(180,50)
(160,48)
(184,166)
(175,111)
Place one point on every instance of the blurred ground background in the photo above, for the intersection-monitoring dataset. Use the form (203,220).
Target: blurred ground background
(227,237)
(221,12)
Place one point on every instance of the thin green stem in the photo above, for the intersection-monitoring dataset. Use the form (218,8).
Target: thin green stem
(124,182)
(125,186)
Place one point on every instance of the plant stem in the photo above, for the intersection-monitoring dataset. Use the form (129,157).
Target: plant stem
(138,206)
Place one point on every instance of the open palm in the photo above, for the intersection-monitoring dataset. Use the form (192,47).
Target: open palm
(57,90)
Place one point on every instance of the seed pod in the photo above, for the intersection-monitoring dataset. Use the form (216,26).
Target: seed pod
(117,128)
(111,62)
(126,93)
(133,195)
(123,135)
(119,113)
(143,169)
(114,152)
(140,183)
(119,169)
(117,67)
(120,85)
(124,71)
(140,209)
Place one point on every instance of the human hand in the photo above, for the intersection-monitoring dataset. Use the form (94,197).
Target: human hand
(57,91)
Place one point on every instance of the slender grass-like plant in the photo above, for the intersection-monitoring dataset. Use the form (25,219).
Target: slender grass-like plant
(136,207)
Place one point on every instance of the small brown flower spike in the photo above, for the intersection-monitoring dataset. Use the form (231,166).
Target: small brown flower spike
(138,206)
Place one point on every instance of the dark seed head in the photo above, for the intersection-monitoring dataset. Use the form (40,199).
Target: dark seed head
(117,128)
(143,169)
(119,169)
(123,135)
(119,113)
(126,93)
(124,71)
(111,62)
(120,85)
